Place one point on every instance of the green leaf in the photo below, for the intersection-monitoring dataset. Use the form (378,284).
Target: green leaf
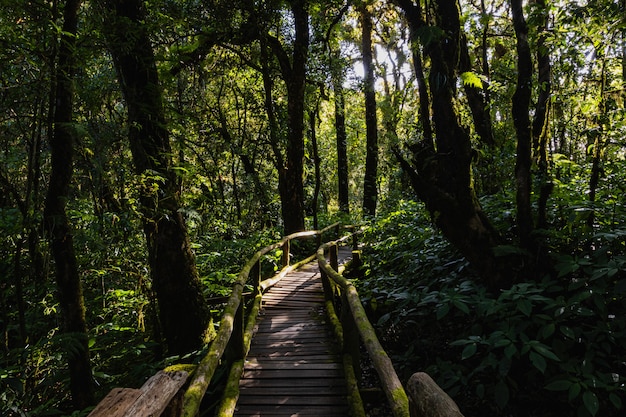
(615,400)
(501,393)
(547,330)
(567,332)
(471,79)
(559,385)
(538,361)
(510,350)
(442,311)
(545,351)
(574,391)
(525,306)
(461,306)
(591,402)
(469,351)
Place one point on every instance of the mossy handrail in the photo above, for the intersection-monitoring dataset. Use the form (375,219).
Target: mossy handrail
(357,318)
(233,321)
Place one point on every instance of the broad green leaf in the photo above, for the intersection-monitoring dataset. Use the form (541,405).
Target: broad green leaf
(538,361)
(615,400)
(510,350)
(501,393)
(559,385)
(545,351)
(574,391)
(442,311)
(591,402)
(525,306)
(469,351)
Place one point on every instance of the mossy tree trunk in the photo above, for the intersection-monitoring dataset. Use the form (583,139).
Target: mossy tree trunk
(57,226)
(175,280)
(440,170)
(370,186)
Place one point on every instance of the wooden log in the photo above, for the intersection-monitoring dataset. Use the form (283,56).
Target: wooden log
(152,399)
(116,402)
(157,393)
(392,386)
(427,399)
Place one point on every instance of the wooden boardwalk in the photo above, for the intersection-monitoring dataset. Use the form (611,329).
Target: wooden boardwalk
(294,368)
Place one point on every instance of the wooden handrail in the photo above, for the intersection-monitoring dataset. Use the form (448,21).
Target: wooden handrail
(391,384)
(233,313)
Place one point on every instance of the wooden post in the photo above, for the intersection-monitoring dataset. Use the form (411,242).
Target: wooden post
(427,399)
(355,241)
(235,349)
(286,249)
(255,275)
(333,257)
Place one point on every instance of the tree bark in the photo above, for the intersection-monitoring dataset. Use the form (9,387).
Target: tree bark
(521,121)
(440,172)
(342,138)
(541,119)
(291,172)
(370,187)
(316,162)
(57,226)
(175,280)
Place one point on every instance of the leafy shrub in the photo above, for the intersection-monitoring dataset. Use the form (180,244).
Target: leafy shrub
(553,346)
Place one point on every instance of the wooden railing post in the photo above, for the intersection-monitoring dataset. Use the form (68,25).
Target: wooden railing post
(255,276)
(333,256)
(235,349)
(286,249)
(355,241)
(350,331)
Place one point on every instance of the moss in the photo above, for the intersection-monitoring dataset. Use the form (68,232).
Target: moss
(187,367)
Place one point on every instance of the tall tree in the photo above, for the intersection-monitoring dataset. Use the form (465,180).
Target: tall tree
(293,71)
(521,120)
(56,222)
(337,77)
(370,187)
(441,172)
(541,120)
(175,280)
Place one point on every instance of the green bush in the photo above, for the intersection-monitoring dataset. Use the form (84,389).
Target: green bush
(552,347)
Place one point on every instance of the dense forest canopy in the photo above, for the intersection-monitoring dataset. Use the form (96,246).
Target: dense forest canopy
(148,147)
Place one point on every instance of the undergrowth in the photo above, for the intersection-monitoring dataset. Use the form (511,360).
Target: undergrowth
(549,346)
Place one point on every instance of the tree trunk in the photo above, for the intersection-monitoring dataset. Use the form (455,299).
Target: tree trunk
(541,119)
(56,222)
(183,315)
(342,139)
(441,172)
(291,172)
(370,188)
(292,196)
(598,142)
(521,121)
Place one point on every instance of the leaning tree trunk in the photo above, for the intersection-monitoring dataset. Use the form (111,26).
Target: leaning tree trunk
(370,189)
(57,226)
(175,280)
(441,172)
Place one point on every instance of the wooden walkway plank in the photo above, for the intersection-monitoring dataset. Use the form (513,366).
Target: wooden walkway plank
(293,368)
